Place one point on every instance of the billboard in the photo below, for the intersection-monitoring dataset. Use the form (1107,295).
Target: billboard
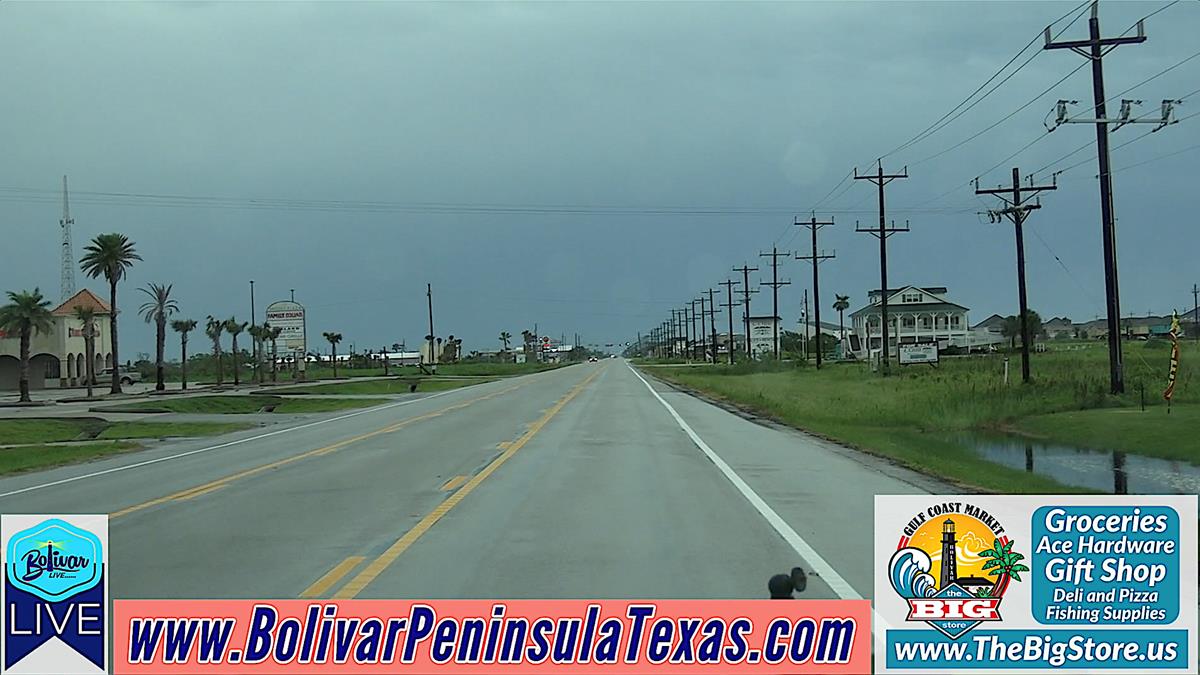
(289,316)
(923,353)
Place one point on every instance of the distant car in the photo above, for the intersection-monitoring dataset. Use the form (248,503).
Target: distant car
(612,356)
(125,376)
(592,359)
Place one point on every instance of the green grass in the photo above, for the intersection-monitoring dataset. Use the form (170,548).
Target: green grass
(235,405)
(1153,432)
(168,429)
(47,430)
(389,386)
(907,416)
(57,430)
(30,457)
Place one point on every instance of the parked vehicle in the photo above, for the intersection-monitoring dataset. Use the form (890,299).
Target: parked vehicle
(126,376)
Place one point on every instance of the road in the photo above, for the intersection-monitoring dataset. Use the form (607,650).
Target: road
(587,481)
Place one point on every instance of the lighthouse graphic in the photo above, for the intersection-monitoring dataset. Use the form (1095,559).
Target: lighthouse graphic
(949,554)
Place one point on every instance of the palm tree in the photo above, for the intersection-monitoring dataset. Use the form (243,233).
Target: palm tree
(505,336)
(334,339)
(258,333)
(110,256)
(1006,564)
(273,333)
(25,314)
(87,317)
(841,304)
(213,329)
(157,310)
(234,329)
(183,327)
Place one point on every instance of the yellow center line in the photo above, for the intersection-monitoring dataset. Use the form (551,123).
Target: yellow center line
(385,559)
(453,483)
(322,585)
(212,486)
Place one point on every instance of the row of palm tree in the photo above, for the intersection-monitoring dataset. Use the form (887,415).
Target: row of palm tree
(110,256)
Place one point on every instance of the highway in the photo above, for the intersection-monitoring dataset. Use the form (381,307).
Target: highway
(589,481)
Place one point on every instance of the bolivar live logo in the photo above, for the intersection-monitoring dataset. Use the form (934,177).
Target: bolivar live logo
(942,566)
(55,594)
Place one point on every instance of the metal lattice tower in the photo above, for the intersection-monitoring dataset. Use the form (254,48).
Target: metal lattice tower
(67,279)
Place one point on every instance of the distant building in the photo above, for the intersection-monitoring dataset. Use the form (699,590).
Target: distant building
(58,358)
(916,315)
(992,324)
(1058,328)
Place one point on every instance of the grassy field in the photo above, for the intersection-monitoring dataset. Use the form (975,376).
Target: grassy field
(29,457)
(1152,432)
(56,430)
(235,405)
(906,416)
(398,385)
(206,374)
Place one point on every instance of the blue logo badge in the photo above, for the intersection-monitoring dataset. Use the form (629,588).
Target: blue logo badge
(54,560)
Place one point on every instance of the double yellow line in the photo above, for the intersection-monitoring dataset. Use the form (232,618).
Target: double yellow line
(385,559)
(213,486)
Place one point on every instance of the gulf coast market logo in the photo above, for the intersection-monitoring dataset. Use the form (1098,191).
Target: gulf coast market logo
(953,564)
(54,594)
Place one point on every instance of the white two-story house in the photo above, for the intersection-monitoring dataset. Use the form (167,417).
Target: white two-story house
(915,315)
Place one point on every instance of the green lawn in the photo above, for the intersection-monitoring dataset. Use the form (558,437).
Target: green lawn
(235,405)
(398,385)
(1152,432)
(907,416)
(56,430)
(168,429)
(29,457)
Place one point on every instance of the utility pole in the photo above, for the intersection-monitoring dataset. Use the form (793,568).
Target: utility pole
(729,305)
(695,339)
(1017,213)
(775,283)
(816,258)
(745,270)
(745,300)
(1094,49)
(703,333)
(712,323)
(432,355)
(254,325)
(806,325)
(880,179)
(673,333)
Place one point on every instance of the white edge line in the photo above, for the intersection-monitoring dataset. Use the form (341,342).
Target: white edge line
(819,565)
(198,451)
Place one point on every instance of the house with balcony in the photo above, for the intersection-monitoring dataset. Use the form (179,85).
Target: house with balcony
(916,315)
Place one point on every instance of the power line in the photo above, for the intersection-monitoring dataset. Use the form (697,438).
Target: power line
(1002,120)
(934,128)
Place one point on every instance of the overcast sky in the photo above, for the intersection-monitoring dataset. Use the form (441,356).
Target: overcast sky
(683,137)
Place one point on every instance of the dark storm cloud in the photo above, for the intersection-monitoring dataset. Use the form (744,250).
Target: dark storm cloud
(609,104)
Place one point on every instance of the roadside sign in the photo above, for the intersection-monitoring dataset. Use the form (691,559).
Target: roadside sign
(289,316)
(924,353)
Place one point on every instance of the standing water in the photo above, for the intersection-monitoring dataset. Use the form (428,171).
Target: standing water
(1104,470)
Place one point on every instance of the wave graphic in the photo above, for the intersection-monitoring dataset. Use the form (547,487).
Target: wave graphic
(909,573)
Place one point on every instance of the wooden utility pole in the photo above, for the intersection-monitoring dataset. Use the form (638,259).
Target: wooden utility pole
(1017,213)
(729,305)
(432,354)
(880,179)
(775,283)
(712,322)
(816,258)
(746,270)
(1094,49)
